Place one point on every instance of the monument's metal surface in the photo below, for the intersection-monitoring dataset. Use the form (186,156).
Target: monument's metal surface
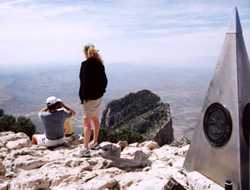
(220,145)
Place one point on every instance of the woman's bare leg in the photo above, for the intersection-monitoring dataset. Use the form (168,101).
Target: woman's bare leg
(96,128)
(33,141)
(87,131)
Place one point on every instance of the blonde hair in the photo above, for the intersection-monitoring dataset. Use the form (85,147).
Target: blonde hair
(91,51)
(86,47)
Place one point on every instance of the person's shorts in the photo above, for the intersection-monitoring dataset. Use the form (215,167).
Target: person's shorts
(42,140)
(92,108)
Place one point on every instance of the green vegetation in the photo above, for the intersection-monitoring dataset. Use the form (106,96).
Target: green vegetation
(20,124)
(120,135)
(25,125)
(1,112)
(7,123)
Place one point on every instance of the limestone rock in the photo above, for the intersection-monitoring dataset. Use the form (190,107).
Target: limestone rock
(98,180)
(110,150)
(3,153)
(183,150)
(31,181)
(123,144)
(18,144)
(140,155)
(129,164)
(4,185)
(149,144)
(28,162)
(5,137)
(138,166)
(104,180)
(180,141)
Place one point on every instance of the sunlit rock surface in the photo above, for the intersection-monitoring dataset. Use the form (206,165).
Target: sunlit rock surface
(132,167)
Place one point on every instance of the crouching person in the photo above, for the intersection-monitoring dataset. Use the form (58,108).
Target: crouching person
(53,118)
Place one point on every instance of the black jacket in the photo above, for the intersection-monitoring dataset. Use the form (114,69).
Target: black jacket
(93,80)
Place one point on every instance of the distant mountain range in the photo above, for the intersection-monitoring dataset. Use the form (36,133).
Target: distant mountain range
(24,91)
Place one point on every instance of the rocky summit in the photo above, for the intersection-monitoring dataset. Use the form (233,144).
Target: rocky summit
(121,166)
(141,112)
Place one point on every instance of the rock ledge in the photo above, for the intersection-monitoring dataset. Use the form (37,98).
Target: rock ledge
(138,166)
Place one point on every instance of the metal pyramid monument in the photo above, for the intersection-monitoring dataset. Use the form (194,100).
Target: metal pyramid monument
(220,145)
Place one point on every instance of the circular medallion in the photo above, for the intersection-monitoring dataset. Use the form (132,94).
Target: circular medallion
(217,125)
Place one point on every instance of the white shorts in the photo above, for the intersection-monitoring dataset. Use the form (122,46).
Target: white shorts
(92,108)
(42,140)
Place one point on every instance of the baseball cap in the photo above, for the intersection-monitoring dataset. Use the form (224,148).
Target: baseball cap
(52,100)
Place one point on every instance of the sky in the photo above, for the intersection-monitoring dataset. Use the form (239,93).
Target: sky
(35,32)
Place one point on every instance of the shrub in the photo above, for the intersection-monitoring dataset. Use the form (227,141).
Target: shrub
(125,135)
(103,135)
(1,112)
(25,125)
(7,122)
(21,124)
(119,135)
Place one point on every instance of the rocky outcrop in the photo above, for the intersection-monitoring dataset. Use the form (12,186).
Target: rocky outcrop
(138,166)
(141,112)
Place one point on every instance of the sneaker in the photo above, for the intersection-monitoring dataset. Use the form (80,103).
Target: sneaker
(82,153)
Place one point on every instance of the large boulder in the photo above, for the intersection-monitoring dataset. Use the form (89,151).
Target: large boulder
(143,113)
(165,134)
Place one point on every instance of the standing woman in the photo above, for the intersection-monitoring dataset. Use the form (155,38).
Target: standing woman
(93,83)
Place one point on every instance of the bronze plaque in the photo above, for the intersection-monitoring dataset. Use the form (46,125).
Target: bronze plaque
(217,125)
